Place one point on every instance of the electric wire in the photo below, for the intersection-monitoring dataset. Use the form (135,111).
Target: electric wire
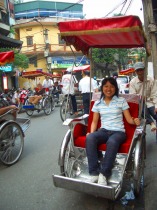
(128,7)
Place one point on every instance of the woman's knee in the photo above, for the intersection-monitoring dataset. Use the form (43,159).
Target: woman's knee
(90,139)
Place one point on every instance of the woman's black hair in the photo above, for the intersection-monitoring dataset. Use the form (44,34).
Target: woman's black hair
(113,82)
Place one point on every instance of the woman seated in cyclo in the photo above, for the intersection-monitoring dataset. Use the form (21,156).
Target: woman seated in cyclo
(39,91)
(110,108)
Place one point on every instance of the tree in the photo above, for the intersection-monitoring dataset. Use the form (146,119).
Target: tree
(20,60)
(108,56)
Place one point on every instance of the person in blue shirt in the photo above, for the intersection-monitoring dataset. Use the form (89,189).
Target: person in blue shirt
(110,108)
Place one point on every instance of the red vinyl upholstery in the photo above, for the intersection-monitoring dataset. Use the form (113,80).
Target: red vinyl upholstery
(80,130)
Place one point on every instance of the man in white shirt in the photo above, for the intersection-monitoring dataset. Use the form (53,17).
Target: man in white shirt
(136,87)
(47,83)
(86,90)
(68,87)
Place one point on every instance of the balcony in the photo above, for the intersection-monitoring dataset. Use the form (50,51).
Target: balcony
(54,49)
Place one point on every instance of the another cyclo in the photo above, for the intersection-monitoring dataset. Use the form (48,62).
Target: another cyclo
(47,103)
(116,32)
(11,129)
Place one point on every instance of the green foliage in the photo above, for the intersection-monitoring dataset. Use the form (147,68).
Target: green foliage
(110,56)
(20,60)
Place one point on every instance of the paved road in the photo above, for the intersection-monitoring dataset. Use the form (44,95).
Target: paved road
(28,185)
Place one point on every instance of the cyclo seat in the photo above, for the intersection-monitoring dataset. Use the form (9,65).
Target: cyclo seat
(80,130)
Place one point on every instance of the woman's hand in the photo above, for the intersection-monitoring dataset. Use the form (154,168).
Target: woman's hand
(87,134)
(137,121)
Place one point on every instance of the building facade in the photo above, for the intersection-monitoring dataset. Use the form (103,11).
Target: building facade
(7,41)
(36,27)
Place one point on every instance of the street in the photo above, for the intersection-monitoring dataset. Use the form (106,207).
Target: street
(28,184)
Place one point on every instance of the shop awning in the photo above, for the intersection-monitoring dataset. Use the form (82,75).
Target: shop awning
(103,33)
(6,42)
(6,57)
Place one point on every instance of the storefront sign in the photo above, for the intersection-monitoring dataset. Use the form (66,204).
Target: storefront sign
(6,68)
(65,62)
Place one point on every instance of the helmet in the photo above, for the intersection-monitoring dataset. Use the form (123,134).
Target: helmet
(69,69)
(139,65)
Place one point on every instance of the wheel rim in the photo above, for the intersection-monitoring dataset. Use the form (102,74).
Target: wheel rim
(138,171)
(47,106)
(29,112)
(11,143)
(65,111)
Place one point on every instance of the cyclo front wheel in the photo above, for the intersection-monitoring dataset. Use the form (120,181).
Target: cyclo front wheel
(47,105)
(139,163)
(11,143)
(66,110)
(29,112)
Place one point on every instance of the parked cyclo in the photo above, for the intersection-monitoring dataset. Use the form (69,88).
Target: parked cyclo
(11,129)
(116,32)
(47,103)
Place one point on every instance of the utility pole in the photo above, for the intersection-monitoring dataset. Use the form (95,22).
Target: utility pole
(47,46)
(47,49)
(151,29)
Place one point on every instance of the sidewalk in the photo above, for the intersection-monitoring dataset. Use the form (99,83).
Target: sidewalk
(150,172)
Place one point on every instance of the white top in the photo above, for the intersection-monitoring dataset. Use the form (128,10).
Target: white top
(47,83)
(136,87)
(68,82)
(111,115)
(15,96)
(84,85)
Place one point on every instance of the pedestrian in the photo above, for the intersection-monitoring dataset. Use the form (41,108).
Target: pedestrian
(136,87)
(68,84)
(86,90)
(110,109)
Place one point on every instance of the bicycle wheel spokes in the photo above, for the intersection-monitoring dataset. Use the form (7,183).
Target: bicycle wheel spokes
(12,143)
(47,106)
(66,110)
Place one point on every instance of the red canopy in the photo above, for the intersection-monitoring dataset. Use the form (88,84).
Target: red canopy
(127,71)
(115,32)
(37,73)
(6,57)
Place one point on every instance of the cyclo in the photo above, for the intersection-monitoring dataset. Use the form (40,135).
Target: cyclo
(116,32)
(47,103)
(11,130)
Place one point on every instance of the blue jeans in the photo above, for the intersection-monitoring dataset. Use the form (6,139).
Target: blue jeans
(74,103)
(149,113)
(86,102)
(113,140)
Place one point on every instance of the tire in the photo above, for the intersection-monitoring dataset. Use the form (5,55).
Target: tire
(139,163)
(66,110)
(29,112)
(11,143)
(47,106)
